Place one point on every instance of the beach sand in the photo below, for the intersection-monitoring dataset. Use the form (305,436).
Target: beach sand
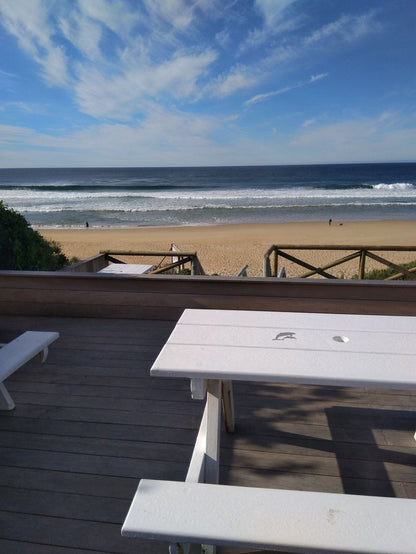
(225,249)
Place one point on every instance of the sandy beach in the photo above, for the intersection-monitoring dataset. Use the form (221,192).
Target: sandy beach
(225,249)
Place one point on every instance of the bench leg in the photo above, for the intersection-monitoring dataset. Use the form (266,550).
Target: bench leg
(6,401)
(44,354)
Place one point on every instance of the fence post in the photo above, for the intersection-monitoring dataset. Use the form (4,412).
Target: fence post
(361,269)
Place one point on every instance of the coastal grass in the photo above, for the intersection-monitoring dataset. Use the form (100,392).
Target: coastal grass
(382,274)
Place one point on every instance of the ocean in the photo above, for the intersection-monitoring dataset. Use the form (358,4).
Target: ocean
(138,197)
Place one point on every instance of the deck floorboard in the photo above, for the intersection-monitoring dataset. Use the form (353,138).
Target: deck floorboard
(91,422)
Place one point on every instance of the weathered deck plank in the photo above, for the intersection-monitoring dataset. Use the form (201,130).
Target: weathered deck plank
(90,422)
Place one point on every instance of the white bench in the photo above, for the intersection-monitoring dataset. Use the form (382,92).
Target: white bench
(16,353)
(272,519)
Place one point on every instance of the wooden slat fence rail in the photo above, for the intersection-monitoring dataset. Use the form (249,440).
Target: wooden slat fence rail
(105,257)
(182,258)
(165,297)
(271,260)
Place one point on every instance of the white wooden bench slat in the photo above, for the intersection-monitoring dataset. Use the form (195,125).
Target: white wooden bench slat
(293,521)
(19,351)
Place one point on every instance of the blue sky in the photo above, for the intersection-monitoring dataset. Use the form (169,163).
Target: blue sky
(208,82)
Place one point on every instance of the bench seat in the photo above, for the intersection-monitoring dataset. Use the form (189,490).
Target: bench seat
(19,351)
(271,519)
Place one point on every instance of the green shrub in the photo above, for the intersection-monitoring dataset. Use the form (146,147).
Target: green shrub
(23,248)
(388,272)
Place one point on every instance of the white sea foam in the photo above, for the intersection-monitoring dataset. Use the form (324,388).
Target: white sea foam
(395,186)
(29,200)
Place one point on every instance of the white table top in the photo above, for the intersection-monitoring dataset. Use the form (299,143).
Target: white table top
(288,347)
(130,269)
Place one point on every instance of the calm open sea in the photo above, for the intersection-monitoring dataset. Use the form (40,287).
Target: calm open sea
(131,197)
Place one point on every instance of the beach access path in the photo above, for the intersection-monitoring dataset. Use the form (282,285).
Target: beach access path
(91,422)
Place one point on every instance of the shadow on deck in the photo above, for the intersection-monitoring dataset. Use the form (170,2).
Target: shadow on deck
(91,422)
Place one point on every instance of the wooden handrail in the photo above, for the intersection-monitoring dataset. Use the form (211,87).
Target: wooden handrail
(270,263)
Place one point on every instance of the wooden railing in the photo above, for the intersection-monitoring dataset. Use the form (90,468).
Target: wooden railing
(178,260)
(361,253)
(165,297)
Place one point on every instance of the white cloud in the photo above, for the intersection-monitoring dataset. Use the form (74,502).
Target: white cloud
(116,15)
(163,138)
(27,107)
(318,77)
(272,13)
(167,139)
(223,38)
(308,122)
(272,10)
(348,28)
(28,22)
(261,97)
(125,94)
(240,77)
(367,139)
(83,33)
(178,13)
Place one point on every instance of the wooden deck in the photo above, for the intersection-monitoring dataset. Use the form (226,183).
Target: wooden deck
(90,422)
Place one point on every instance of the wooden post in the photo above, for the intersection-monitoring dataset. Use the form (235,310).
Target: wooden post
(275,254)
(361,269)
(266,267)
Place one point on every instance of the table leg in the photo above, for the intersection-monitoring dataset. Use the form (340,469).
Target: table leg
(212,445)
(204,465)
(228,405)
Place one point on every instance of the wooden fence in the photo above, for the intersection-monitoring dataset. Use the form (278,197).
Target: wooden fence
(76,294)
(361,253)
(177,261)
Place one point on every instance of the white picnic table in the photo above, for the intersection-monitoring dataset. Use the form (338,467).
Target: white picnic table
(214,347)
(127,269)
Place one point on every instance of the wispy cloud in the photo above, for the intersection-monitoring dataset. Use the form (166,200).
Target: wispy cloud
(28,22)
(272,13)
(371,139)
(166,138)
(238,78)
(27,107)
(308,122)
(262,97)
(347,28)
(121,95)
